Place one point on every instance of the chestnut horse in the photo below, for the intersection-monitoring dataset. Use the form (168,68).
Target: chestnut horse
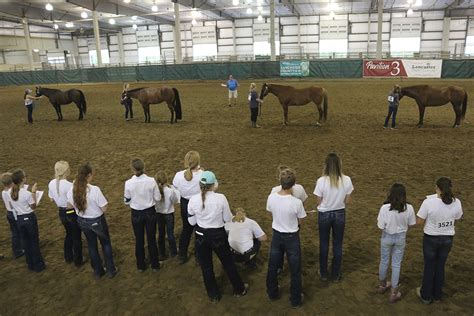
(426,95)
(289,96)
(147,96)
(58,98)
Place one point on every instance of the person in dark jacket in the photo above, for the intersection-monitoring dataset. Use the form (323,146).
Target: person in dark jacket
(253,104)
(393,101)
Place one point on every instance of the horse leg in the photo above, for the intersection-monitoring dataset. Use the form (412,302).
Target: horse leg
(172,113)
(80,111)
(57,111)
(320,110)
(458,112)
(144,111)
(60,112)
(285,114)
(421,109)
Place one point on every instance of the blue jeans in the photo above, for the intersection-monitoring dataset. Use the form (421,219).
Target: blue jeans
(96,228)
(435,253)
(15,233)
(391,246)
(392,111)
(28,227)
(331,221)
(30,112)
(282,243)
(166,227)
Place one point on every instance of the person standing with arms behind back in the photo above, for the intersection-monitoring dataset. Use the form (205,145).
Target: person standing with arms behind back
(187,183)
(30,104)
(287,212)
(232,86)
(393,102)
(11,216)
(253,104)
(141,194)
(333,190)
(437,214)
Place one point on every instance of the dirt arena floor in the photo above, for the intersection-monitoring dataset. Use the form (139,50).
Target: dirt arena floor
(245,162)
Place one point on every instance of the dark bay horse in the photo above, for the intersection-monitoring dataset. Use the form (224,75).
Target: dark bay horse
(289,96)
(58,98)
(147,96)
(426,95)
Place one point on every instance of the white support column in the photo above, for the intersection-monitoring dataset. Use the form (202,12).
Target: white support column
(120,48)
(300,52)
(368,34)
(177,35)
(379,29)
(445,39)
(29,49)
(272,30)
(95,22)
(234,46)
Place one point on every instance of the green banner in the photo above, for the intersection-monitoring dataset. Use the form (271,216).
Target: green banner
(294,68)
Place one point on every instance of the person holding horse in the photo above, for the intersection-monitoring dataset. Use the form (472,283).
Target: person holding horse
(126,101)
(30,103)
(393,102)
(232,86)
(254,102)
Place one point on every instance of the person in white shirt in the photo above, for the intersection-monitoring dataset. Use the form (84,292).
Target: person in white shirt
(141,194)
(90,205)
(24,203)
(7,183)
(333,190)
(287,212)
(57,192)
(394,218)
(187,183)
(209,211)
(30,103)
(438,214)
(245,237)
(165,213)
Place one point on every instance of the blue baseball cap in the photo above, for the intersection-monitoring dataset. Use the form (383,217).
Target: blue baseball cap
(208,177)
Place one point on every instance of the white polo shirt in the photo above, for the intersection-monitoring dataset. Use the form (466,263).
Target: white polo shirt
(242,234)
(298,191)
(95,200)
(187,188)
(332,197)
(286,210)
(141,192)
(393,222)
(439,217)
(215,213)
(6,200)
(22,205)
(170,198)
(59,198)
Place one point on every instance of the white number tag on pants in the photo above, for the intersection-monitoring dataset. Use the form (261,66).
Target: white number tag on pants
(390,98)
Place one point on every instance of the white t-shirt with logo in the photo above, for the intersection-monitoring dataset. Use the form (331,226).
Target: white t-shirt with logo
(95,200)
(166,204)
(298,191)
(332,197)
(22,205)
(216,211)
(6,200)
(188,188)
(242,234)
(64,187)
(286,210)
(393,222)
(439,217)
(141,192)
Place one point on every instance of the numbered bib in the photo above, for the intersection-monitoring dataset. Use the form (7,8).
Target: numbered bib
(250,97)
(390,98)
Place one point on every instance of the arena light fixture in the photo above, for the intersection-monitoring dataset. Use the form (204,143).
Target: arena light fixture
(49,6)
(112,21)
(69,24)
(154,8)
(418,3)
(134,26)
(259,1)
(235,2)
(410,11)
(126,1)
(195,14)
(249,11)
(84,15)
(409,1)
(260,18)
(332,14)
(260,8)
(134,17)
(193,22)
(36,50)
(55,26)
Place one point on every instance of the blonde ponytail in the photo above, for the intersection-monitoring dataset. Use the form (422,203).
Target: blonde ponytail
(61,171)
(239,215)
(192,160)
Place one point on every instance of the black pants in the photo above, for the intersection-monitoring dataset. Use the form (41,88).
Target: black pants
(250,256)
(187,232)
(30,113)
(73,239)
(28,227)
(144,221)
(128,109)
(253,114)
(15,232)
(215,239)
(166,227)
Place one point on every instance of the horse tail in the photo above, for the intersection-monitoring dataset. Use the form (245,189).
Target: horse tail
(83,102)
(325,109)
(464,106)
(177,104)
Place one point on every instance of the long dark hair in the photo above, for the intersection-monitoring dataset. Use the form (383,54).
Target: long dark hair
(17,178)
(79,190)
(204,189)
(445,185)
(333,169)
(397,198)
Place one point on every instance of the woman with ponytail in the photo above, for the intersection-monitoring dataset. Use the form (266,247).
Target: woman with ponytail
(90,205)
(187,183)
(24,202)
(437,214)
(165,213)
(209,211)
(57,192)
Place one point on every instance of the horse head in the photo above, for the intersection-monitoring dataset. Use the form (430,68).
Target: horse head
(124,96)
(38,91)
(264,91)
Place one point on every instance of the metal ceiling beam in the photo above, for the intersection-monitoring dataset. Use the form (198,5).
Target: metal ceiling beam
(203,5)
(291,5)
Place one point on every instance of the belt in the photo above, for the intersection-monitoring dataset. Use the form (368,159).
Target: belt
(67,210)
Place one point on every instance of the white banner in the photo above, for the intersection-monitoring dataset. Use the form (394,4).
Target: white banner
(423,68)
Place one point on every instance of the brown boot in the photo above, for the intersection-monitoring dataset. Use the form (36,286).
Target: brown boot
(395,295)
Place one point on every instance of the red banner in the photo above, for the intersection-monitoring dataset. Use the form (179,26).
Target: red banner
(384,68)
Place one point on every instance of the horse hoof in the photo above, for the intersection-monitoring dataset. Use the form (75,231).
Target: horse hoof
(456,126)
(318,124)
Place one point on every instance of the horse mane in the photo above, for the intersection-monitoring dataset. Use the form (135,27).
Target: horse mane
(136,90)
(49,89)
(413,90)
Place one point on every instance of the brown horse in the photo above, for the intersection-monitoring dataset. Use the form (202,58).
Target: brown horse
(147,96)
(289,96)
(426,95)
(58,98)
